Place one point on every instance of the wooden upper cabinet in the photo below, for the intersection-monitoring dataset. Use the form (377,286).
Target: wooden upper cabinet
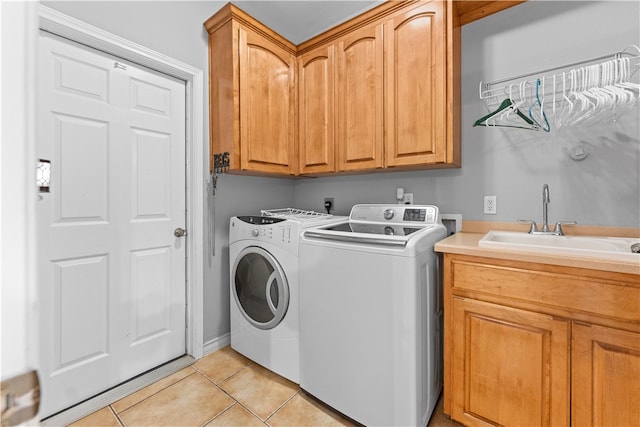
(252,94)
(316,76)
(381,90)
(359,109)
(268,105)
(416,86)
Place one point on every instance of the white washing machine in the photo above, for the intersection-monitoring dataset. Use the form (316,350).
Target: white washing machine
(263,258)
(371,314)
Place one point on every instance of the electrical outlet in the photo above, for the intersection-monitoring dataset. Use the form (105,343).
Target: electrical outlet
(329,204)
(407,199)
(490,205)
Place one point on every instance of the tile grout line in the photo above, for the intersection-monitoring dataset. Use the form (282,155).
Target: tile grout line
(240,403)
(116,416)
(234,399)
(282,406)
(220,414)
(225,378)
(146,398)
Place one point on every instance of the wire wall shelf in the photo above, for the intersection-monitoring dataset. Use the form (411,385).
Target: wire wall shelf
(600,88)
(292,213)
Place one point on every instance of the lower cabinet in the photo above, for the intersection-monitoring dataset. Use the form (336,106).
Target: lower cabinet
(537,345)
(510,366)
(605,366)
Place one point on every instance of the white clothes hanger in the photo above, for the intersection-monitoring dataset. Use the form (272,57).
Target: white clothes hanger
(570,95)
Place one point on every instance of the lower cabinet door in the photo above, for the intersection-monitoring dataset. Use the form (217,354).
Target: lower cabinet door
(606,376)
(510,367)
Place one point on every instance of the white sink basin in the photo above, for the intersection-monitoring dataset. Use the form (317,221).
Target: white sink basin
(611,248)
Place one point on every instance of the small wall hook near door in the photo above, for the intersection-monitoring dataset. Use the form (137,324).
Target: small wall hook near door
(179,232)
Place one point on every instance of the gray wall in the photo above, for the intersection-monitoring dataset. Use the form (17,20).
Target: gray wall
(603,189)
(512,164)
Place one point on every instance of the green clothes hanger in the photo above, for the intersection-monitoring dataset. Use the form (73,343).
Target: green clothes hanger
(507,104)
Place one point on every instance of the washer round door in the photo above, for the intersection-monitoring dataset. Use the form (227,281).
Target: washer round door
(260,287)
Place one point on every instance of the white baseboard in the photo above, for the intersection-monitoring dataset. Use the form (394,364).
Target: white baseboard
(216,344)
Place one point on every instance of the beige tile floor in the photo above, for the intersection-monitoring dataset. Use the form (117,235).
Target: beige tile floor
(224,389)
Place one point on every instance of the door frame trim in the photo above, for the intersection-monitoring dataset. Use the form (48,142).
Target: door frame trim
(78,31)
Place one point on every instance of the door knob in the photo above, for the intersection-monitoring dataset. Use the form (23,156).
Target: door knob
(179,232)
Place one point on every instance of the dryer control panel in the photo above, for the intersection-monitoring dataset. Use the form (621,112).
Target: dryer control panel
(266,229)
(259,220)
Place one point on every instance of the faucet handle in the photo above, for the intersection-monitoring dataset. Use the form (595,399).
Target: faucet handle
(533,227)
(558,230)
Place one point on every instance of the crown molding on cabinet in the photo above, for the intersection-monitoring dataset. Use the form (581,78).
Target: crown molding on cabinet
(467,11)
(470,11)
(359,21)
(232,12)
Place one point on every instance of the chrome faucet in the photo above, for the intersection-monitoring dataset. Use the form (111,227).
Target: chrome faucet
(557,231)
(545,207)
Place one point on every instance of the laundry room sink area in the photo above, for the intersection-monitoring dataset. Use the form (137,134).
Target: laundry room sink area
(616,248)
(564,328)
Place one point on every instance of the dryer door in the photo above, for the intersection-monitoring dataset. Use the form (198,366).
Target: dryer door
(260,287)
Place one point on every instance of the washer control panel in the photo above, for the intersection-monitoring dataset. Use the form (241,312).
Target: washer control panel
(422,214)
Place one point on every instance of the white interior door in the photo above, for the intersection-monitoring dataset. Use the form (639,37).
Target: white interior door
(111,270)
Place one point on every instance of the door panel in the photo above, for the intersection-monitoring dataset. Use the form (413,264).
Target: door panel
(151,289)
(151,187)
(81,78)
(81,290)
(111,272)
(85,181)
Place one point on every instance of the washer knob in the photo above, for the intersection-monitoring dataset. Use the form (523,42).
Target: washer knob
(388,214)
(255,232)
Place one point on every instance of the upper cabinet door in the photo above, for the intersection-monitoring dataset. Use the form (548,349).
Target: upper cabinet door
(316,76)
(359,108)
(267,105)
(416,86)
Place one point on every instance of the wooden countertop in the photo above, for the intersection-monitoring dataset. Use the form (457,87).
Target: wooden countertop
(465,243)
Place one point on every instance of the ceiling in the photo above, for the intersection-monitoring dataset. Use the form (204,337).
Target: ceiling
(299,20)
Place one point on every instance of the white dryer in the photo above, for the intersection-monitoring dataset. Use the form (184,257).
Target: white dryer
(263,258)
